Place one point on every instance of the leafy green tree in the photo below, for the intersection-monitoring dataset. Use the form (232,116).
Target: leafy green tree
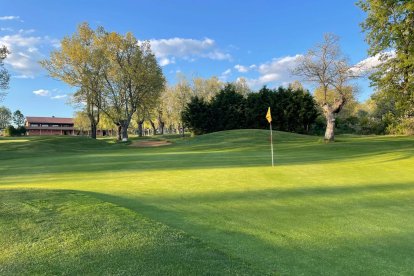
(242,87)
(12,131)
(228,109)
(131,77)
(5,117)
(80,62)
(197,116)
(82,122)
(206,88)
(306,110)
(18,118)
(292,109)
(389,28)
(106,124)
(4,74)
(257,104)
(182,96)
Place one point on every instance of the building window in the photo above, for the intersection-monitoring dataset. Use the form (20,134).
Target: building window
(34,125)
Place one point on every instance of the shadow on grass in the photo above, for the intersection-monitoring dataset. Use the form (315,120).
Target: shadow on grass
(313,230)
(320,230)
(68,232)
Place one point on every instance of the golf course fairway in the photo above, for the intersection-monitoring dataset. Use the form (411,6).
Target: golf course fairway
(208,205)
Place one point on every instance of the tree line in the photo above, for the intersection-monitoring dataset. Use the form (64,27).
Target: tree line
(120,84)
(12,124)
(163,114)
(116,75)
(293,110)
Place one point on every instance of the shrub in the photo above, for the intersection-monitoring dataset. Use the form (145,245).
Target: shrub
(12,131)
(404,126)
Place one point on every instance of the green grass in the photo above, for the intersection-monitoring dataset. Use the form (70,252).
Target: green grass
(208,205)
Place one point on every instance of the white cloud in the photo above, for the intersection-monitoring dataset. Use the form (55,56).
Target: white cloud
(29,31)
(6,29)
(368,65)
(53,94)
(224,76)
(9,17)
(22,77)
(279,64)
(165,61)
(57,97)
(217,55)
(241,68)
(188,49)
(276,72)
(41,92)
(227,72)
(25,52)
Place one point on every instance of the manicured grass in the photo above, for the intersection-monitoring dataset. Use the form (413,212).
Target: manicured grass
(208,205)
(65,232)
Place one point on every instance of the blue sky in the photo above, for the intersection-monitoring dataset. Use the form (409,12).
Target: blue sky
(257,40)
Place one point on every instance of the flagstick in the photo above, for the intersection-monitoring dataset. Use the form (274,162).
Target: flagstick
(271,142)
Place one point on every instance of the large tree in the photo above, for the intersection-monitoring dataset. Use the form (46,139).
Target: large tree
(206,88)
(4,75)
(389,28)
(326,67)
(18,118)
(79,62)
(5,117)
(132,76)
(82,122)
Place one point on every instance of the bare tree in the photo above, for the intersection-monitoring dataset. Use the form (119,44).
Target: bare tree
(326,66)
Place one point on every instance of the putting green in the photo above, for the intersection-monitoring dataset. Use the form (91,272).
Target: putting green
(340,208)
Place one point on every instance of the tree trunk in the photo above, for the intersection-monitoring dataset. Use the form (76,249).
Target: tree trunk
(119,137)
(124,129)
(153,127)
(93,130)
(140,124)
(329,112)
(161,127)
(93,118)
(330,127)
(161,123)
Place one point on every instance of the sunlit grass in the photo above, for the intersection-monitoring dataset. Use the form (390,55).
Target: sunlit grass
(341,208)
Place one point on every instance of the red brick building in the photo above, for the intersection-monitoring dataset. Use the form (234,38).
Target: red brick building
(49,126)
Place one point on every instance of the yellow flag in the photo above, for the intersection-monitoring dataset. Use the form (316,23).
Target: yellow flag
(269,116)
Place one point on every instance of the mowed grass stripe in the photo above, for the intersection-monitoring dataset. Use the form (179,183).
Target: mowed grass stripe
(342,208)
(66,232)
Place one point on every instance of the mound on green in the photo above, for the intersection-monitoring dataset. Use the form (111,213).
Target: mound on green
(342,208)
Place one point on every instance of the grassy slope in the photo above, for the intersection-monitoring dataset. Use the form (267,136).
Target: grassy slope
(324,209)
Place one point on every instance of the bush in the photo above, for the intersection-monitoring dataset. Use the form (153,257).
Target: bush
(12,131)
(404,126)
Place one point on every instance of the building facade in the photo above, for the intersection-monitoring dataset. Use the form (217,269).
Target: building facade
(49,126)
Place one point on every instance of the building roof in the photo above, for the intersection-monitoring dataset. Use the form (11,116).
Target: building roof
(49,120)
